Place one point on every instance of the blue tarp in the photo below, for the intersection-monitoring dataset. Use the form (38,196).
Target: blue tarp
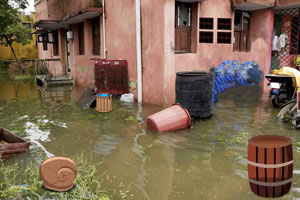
(234,73)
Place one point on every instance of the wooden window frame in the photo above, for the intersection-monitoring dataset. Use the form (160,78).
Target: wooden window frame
(96,35)
(81,47)
(242,33)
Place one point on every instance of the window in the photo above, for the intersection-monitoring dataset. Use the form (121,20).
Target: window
(224,24)
(81,38)
(224,31)
(224,37)
(28,26)
(183,22)
(55,43)
(96,35)
(206,37)
(45,41)
(241,31)
(206,24)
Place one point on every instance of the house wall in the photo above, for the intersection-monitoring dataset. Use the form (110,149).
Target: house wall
(160,63)
(121,35)
(82,66)
(212,55)
(61,9)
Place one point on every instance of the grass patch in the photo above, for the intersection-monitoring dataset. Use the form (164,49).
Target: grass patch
(3,68)
(24,77)
(17,184)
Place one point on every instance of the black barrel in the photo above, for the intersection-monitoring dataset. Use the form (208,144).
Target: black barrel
(194,91)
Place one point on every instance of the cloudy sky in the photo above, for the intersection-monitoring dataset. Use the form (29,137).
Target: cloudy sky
(30,7)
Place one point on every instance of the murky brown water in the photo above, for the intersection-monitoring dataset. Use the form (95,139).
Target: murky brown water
(205,162)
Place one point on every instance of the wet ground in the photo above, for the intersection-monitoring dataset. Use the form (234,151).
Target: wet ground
(207,161)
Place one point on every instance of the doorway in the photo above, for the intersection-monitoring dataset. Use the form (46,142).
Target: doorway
(183,18)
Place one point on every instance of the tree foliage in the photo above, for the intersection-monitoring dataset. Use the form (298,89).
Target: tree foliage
(11,28)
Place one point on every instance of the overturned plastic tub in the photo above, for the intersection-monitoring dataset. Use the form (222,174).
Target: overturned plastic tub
(170,119)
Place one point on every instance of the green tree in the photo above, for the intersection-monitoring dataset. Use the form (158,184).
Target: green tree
(11,28)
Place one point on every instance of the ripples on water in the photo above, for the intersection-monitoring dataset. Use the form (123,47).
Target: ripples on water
(208,161)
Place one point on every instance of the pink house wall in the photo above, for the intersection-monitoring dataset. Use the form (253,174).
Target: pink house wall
(120,34)
(82,66)
(160,63)
(212,55)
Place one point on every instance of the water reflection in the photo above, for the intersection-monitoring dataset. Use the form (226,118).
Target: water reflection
(105,144)
(207,161)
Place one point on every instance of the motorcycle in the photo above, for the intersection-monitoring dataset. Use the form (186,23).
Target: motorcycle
(291,111)
(282,89)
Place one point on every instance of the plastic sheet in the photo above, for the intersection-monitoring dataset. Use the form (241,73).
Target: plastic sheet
(234,73)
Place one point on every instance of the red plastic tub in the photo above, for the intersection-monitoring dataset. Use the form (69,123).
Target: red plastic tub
(173,118)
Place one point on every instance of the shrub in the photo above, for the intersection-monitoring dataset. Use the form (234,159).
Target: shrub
(16,184)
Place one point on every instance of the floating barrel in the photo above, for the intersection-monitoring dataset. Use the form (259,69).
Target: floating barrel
(194,91)
(270,165)
(173,118)
(58,173)
(103,102)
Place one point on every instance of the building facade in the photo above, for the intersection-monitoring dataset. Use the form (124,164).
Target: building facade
(176,36)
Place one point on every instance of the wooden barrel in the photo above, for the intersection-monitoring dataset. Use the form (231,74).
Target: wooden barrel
(270,165)
(103,102)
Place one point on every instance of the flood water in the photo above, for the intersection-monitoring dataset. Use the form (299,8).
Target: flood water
(207,161)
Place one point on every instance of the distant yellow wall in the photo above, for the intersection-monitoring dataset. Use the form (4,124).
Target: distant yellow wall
(28,51)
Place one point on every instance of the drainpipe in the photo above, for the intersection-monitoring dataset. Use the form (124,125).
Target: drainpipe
(104,36)
(139,50)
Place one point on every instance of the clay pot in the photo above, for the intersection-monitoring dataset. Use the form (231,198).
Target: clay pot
(58,173)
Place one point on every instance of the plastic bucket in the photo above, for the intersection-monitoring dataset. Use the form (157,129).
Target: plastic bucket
(173,118)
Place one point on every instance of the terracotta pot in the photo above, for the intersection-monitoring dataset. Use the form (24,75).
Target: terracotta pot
(270,165)
(58,173)
(173,118)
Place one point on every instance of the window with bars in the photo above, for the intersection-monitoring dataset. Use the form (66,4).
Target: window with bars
(206,23)
(206,37)
(81,38)
(224,24)
(224,37)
